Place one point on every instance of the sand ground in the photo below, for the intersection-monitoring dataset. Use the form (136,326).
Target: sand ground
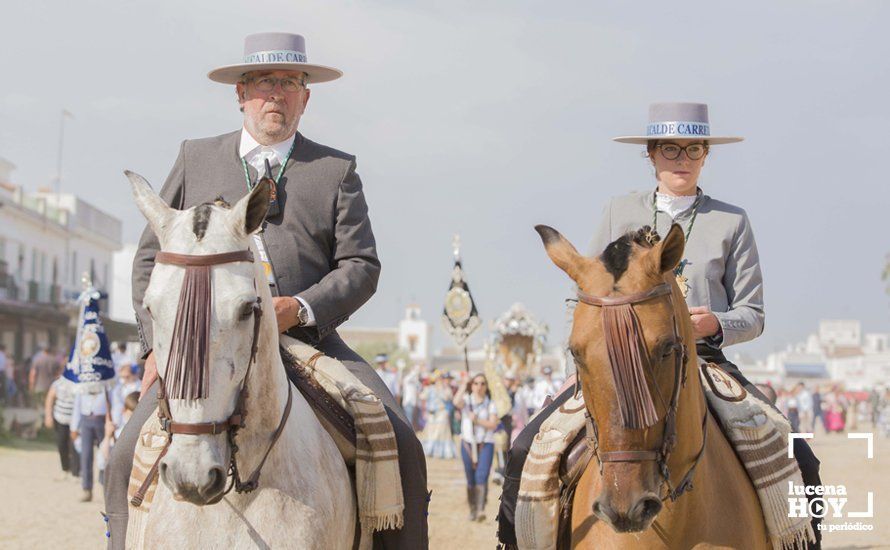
(38,512)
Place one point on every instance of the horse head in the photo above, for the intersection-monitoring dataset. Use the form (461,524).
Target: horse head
(631,340)
(205,320)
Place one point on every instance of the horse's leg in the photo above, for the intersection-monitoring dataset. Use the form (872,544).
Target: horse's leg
(120,463)
(412,460)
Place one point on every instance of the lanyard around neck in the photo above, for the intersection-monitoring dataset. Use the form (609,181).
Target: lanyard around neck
(280,169)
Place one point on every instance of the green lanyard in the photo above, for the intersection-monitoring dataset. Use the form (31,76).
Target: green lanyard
(280,169)
(679,271)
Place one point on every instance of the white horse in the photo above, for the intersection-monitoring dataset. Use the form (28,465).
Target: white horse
(304,498)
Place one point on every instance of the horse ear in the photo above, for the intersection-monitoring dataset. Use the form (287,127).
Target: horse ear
(670,251)
(152,206)
(250,211)
(560,250)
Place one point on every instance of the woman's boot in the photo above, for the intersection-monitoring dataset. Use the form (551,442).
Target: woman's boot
(481,496)
(471,500)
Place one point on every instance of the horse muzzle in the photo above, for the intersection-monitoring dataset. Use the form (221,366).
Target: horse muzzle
(638,516)
(195,477)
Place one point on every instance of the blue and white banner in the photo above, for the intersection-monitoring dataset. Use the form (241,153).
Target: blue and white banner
(90,365)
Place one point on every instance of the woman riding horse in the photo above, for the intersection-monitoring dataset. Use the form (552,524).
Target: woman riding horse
(719,275)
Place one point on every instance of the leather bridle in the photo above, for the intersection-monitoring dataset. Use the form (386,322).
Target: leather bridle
(669,435)
(235,422)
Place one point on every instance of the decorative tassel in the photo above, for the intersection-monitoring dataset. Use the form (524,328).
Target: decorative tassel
(628,358)
(188,368)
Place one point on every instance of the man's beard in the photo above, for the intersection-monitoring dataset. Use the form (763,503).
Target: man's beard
(271,132)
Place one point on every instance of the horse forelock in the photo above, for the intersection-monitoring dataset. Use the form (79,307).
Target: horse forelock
(617,255)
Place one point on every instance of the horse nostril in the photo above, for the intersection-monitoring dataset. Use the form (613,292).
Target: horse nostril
(604,511)
(217,481)
(163,470)
(647,508)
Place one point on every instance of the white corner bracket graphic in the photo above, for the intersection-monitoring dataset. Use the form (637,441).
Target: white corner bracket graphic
(868,436)
(792,436)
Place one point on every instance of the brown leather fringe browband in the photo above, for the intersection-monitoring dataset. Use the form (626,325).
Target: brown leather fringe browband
(188,374)
(628,358)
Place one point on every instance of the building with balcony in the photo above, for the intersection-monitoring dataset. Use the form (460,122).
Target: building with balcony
(48,241)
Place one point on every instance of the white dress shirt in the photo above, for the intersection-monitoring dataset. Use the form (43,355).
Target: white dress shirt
(255,155)
(672,205)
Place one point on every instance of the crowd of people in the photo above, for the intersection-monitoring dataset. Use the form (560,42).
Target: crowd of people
(456,416)
(83,423)
(828,408)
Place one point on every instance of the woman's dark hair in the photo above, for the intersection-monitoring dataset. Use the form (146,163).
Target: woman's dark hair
(474,377)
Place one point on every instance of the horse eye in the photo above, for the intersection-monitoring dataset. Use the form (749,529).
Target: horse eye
(246,311)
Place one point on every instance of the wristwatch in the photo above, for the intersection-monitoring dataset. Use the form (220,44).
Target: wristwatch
(302,315)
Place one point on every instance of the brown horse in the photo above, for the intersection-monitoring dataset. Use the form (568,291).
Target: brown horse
(647,417)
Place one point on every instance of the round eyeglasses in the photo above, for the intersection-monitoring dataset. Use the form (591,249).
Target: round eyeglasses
(671,151)
(267,83)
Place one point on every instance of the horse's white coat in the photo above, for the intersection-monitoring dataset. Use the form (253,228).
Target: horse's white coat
(304,499)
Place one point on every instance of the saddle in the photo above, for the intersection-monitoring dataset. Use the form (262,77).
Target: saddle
(332,415)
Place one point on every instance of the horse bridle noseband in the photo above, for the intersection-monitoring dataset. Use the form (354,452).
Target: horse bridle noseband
(236,420)
(669,435)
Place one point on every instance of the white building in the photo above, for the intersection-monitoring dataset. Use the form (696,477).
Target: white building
(414,335)
(121,304)
(47,242)
(838,353)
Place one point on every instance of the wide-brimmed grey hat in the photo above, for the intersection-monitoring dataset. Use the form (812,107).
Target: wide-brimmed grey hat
(678,121)
(274,51)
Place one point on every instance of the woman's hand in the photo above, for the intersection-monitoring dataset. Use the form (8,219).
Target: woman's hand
(472,417)
(704,323)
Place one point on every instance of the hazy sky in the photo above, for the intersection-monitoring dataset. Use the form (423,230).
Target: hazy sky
(488,120)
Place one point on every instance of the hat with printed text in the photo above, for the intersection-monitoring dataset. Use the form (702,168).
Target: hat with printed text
(274,51)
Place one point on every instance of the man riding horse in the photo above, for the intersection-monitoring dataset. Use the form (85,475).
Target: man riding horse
(317,246)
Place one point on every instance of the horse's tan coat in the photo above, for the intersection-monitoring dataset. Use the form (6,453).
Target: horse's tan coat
(722,510)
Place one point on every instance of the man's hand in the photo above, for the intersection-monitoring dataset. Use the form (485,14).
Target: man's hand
(74,435)
(704,323)
(287,309)
(150,374)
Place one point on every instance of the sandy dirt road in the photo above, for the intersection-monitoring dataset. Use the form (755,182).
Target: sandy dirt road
(38,512)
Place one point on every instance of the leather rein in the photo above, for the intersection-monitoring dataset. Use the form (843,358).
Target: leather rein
(235,422)
(669,435)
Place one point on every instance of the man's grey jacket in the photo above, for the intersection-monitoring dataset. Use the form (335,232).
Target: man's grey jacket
(320,243)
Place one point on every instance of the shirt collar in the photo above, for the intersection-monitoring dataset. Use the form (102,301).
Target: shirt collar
(249,147)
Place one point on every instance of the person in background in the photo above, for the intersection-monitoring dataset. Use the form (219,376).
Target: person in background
(410,391)
(479,420)
(120,357)
(58,408)
(3,362)
(43,370)
(545,387)
(127,383)
(113,430)
(436,439)
(88,421)
(388,374)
